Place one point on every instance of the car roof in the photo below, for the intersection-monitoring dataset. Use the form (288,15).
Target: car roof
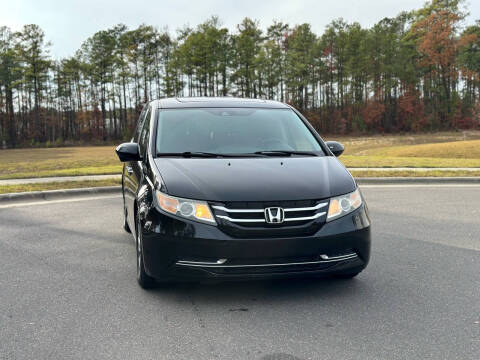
(218,102)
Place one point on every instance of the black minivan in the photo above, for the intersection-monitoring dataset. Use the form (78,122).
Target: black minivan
(230,189)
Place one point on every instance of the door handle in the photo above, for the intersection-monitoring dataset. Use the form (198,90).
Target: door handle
(129,170)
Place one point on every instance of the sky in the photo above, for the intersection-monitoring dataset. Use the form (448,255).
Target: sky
(67,23)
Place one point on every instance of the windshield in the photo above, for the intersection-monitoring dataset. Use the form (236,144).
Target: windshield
(233,131)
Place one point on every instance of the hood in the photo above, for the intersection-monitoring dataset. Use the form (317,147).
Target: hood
(255,179)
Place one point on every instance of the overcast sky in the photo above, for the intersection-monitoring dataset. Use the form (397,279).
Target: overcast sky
(67,23)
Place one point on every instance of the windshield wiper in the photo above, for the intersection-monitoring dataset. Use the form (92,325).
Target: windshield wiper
(201,154)
(189,154)
(284,153)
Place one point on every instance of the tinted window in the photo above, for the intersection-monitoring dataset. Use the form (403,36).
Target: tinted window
(140,123)
(145,132)
(233,130)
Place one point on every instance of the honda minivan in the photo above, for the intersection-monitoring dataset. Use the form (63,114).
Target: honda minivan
(236,189)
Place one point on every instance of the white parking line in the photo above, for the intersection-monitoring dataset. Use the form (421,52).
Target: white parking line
(48,202)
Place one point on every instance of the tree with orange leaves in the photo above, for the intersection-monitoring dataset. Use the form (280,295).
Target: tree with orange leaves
(439,45)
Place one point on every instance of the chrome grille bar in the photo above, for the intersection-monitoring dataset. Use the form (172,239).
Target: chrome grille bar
(304,218)
(316,216)
(240,220)
(316,207)
(237,210)
(312,208)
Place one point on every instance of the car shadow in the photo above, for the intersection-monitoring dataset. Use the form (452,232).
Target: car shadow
(239,295)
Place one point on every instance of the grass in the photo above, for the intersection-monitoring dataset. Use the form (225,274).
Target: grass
(362,145)
(27,163)
(449,150)
(57,185)
(353,161)
(425,150)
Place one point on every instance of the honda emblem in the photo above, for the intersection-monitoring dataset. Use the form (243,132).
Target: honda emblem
(274,215)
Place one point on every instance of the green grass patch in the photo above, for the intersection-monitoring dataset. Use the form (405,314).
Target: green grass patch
(364,145)
(4,189)
(26,163)
(430,150)
(450,150)
(92,170)
(353,161)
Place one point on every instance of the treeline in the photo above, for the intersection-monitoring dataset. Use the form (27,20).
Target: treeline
(415,72)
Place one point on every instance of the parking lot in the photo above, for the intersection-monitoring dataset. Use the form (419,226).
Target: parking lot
(68,290)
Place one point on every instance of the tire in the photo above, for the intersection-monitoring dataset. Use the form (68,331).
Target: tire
(143,279)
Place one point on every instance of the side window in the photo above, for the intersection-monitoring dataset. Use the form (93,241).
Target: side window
(145,132)
(140,122)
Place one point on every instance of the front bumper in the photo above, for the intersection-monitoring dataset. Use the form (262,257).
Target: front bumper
(178,249)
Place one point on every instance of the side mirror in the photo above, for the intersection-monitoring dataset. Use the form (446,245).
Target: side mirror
(335,147)
(128,152)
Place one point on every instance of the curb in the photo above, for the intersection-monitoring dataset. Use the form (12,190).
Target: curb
(55,194)
(418,180)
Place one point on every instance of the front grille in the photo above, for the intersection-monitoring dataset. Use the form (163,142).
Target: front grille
(241,219)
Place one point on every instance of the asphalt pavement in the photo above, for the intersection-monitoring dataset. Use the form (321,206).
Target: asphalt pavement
(68,290)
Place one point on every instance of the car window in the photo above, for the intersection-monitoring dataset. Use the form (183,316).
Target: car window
(145,132)
(140,122)
(233,130)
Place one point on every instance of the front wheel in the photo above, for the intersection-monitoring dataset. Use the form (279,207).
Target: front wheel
(144,280)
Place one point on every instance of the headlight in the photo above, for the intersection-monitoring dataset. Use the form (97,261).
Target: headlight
(343,205)
(189,209)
